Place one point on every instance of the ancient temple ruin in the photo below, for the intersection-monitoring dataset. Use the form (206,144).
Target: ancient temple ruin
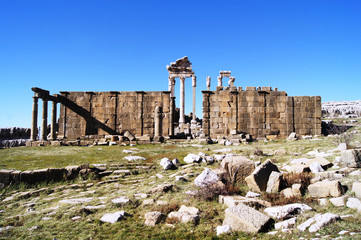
(229,111)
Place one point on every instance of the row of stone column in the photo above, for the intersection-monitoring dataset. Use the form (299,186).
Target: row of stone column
(44,124)
(182,96)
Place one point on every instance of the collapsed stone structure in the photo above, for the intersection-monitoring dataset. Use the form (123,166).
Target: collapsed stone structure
(150,115)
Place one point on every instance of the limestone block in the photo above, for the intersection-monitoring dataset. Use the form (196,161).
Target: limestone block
(57,174)
(246,219)
(325,188)
(356,188)
(238,166)
(5,176)
(40,175)
(351,158)
(27,177)
(153,218)
(287,211)
(257,181)
(275,182)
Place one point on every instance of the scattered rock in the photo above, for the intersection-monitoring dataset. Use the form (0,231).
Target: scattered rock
(287,211)
(356,188)
(354,203)
(192,158)
(317,222)
(163,188)
(325,188)
(76,200)
(275,182)
(239,167)
(113,217)
(153,218)
(134,158)
(342,147)
(148,202)
(351,158)
(252,194)
(223,229)
(185,214)
(315,167)
(279,152)
(121,200)
(231,201)
(246,219)
(207,177)
(167,164)
(338,202)
(290,223)
(257,181)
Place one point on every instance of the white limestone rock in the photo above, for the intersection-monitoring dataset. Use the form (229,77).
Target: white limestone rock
(287,211)
(113,217)
(354,203)
(315,223)
(315,167)
(192,158)
(135,158)
(338,201)
(290,223)
(121,200)
(167,164)
(223,229)
(153,218)
(356,188)
(207,177)
(246,219)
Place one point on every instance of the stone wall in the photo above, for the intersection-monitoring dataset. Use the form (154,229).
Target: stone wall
(102,113)
(259,112)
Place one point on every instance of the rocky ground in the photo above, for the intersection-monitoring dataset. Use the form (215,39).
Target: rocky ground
(297,189)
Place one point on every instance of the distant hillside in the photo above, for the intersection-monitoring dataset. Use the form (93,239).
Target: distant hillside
(343,109)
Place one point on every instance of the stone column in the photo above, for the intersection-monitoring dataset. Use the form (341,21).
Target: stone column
(44,124)
(208,83)
(172,88)
(34,120)
(53,121)
(194,84)
(182,94)
(171,116)
(219,81)
(157,121)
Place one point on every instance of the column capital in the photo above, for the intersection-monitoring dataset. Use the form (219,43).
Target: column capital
(182,79)
(219,81)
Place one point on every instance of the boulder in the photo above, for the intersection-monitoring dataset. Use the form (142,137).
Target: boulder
(342,147)
(325,188)
(5,176)
(287,211)
(192,158)
(275,182)
(238,167)
(318,221)
(129,135)
(290,223)
(163,188)
(167,164)
(246,219)
(153,218)
(315,167)
(113,217)
(223,229)
(338,201)
(206,178)
(354,203)
(185,214)
(231,201)
(121,200)
(176,162)
(297,190)
(257,181)
(40,175)
(356,188)
(135,158)
(72,172)
(351,158)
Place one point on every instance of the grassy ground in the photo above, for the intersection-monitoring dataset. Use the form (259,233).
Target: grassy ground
(43,216)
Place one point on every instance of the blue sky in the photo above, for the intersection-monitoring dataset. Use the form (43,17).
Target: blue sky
(301,47)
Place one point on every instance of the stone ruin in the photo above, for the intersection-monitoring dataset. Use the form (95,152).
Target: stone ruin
(145,116)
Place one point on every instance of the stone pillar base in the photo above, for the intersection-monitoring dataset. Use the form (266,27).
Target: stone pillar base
(193,124)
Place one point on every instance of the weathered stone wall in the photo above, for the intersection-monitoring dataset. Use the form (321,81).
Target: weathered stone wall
(103,113)
(259,112)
